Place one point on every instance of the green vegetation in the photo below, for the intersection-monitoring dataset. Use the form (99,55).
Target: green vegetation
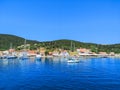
(5,41)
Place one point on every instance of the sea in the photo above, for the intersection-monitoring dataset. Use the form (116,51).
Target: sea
(57,74)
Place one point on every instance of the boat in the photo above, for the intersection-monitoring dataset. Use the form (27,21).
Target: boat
(73,60)
(24,54)
(11,54)
(3,57)
(11,57)
(38,57)
(103,56)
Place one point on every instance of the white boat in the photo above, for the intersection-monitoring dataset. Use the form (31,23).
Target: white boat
(73,60)
(11,54)
(3,57)
(24,54)
(38,56)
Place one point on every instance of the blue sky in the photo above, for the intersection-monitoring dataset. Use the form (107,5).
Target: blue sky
(96,21)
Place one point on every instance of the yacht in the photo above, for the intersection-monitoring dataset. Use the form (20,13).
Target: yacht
(24,54)
(11,54)
(38,56)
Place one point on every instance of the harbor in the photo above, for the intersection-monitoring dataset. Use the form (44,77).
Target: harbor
(13,54)
(59,44)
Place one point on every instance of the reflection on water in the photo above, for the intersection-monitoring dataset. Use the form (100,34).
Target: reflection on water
(57,74)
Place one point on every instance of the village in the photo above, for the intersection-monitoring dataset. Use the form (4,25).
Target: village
(42,52)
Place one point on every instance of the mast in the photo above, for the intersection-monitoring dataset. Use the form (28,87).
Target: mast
(74,46)
(10,45)
(25,45)
(71,46)
(10,49)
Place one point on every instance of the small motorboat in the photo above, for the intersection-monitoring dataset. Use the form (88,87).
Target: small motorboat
(3,57)
(73,60)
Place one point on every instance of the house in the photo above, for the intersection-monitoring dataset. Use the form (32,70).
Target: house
(11,50)
(112,54)
(84,51)
(64,53)
(31,53)
(102,53)
(42,51)
(55,53)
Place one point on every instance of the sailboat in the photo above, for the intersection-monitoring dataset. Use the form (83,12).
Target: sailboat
(38,56)
(11,54)
(73,59)
(24,53)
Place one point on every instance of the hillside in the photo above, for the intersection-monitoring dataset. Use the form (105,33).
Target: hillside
(6,39)
(66,44)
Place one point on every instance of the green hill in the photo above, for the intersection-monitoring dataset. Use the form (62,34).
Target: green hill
(66,44)
(6,39)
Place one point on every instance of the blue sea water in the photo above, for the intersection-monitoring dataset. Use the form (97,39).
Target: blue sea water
(57,74)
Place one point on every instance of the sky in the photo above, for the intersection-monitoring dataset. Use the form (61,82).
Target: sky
(95,21)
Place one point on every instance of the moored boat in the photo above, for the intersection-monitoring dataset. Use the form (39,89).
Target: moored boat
(38,57)
(11,57)
(24,54)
